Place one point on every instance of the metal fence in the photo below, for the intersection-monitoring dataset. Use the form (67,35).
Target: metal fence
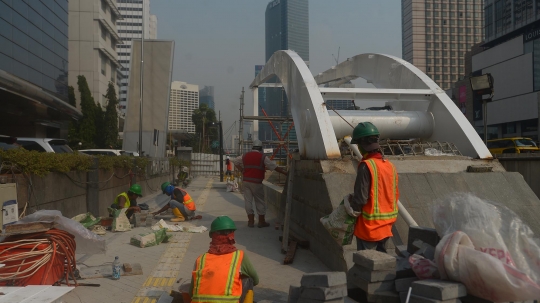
(205,164)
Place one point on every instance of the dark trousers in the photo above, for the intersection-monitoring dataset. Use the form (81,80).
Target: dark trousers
(366,245)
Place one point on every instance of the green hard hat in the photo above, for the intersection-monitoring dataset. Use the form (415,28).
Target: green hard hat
(222,223)
(164,185)
(136,189)
(364,129)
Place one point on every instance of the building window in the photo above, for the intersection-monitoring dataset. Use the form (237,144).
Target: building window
(509,128)
(523,11)
(103,6)
(103,33)
(536,64)
(503,17)
(103,65)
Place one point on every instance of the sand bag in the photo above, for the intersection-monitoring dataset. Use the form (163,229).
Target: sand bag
(150,238)
(340,225)
(488,248)
(120,221)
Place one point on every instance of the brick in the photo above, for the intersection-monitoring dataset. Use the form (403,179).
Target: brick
(384,297)
(401,250)
(473,299)
(424,234)
(303,300)
(375,287)
(324,293)
(324,279)
(405,283)
(294,293)
(403,269)
(438,289)
(374,260)
(372,276)
(127,267)
(420,299)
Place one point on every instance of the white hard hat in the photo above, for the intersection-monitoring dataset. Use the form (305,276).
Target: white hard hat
(257,143)
(227,157)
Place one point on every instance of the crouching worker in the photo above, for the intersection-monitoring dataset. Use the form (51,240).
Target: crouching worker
(128,200)
(224,273)
(181,203)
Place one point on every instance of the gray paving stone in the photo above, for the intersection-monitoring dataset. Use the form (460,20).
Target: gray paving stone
(438,289)
(403,296)
(358,271)
(294,293)
(302,300)
(473,299)
(324,279)
(384,297)
(374,260)
(405,283)
(375,287)
(324,293)
(420,299)
(425,234)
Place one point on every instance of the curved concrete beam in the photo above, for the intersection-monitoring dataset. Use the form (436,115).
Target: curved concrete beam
(388,72)
(316,136)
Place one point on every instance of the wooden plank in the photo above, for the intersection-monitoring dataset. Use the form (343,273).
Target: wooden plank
(291,251)
(287,221)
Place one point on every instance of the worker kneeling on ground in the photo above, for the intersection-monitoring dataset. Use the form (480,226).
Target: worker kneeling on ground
(224,273)
(128,200)
(375,191)
(181,203)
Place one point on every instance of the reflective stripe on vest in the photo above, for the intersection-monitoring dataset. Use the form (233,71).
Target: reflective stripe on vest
(254,168)
(217,278)
(188,202)
(124,194)
(381,209)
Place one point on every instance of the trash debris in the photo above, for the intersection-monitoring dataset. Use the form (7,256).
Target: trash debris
(488,248)
(340,225)
(232,186)
(184,227)
(150,238)
(435,152)
(99,230)
(87,242)
(87,220)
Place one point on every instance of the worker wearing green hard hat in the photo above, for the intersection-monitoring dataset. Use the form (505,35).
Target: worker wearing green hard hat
(128,200)
(376,192)
(213,268)
(164,186)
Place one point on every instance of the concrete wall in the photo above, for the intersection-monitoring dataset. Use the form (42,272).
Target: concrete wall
(68,192)
(528,165)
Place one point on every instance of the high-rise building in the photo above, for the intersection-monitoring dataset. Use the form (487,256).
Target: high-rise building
(133,12)
(184,99)
(92,45)
(34,68)
(436,35)
(286,28)
(206,96)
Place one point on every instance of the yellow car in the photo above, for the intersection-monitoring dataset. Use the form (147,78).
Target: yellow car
(512,146)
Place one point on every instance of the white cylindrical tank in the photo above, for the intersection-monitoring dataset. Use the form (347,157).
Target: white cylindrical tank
(391,124)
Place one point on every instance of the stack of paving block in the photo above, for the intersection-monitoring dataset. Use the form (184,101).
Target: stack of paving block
(320,287)
(143,219)
(374,272)
(437,291)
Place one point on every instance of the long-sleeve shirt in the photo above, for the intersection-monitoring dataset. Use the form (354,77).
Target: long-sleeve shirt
(362,185)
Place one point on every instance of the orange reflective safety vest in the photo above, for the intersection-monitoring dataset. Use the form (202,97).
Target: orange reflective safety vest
(229,165)
(254,168)
(188,202)
(216,278)
(381,209)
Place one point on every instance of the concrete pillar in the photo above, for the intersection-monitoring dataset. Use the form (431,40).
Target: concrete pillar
(92,189)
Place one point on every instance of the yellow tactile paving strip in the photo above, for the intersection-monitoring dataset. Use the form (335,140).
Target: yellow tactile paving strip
(164,275)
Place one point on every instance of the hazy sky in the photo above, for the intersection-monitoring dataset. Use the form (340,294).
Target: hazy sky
(219,42)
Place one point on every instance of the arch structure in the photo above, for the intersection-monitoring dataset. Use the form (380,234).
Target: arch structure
(420,108)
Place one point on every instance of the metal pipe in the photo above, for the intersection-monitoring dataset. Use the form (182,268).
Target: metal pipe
(142,90)
(402,210)
(391,124)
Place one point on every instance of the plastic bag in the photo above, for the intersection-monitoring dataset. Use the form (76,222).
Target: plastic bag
(232,186)
(340,225)
(488,248)
(87,220)
(423,268)
(87,242)
(120,221)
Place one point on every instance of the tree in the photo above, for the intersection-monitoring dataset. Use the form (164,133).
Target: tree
(110,120)
(73,130)
(204,116)
(87,126)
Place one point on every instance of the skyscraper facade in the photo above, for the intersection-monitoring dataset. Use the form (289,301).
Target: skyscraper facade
(184,99)
(437,34)
(286,28)
(133,12)
(206,96)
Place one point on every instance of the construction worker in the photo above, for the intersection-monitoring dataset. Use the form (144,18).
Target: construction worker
(181,203)
(375,191)
(253,166)
(224,273)
(228,173)
(128,200)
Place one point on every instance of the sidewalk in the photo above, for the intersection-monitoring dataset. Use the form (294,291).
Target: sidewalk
(165,264)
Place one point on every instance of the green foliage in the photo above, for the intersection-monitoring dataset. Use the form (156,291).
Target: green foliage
(40,164)
(207,117)
(178,162)
(87,125)
(73,130)
(110,121)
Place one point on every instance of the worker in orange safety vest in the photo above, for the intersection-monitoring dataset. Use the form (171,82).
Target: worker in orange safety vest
(183,206)
(224,273)
(376,191)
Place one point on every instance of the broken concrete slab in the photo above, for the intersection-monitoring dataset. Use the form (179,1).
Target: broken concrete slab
(324,279)
(420,299)
(374,260)
(438,289)
(361,272)
(324,293)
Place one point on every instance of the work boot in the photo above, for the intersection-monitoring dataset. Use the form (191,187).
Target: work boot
(262,222)
(176,219)
(251,220)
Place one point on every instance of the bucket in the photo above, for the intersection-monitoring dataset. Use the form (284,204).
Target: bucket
(106,222)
